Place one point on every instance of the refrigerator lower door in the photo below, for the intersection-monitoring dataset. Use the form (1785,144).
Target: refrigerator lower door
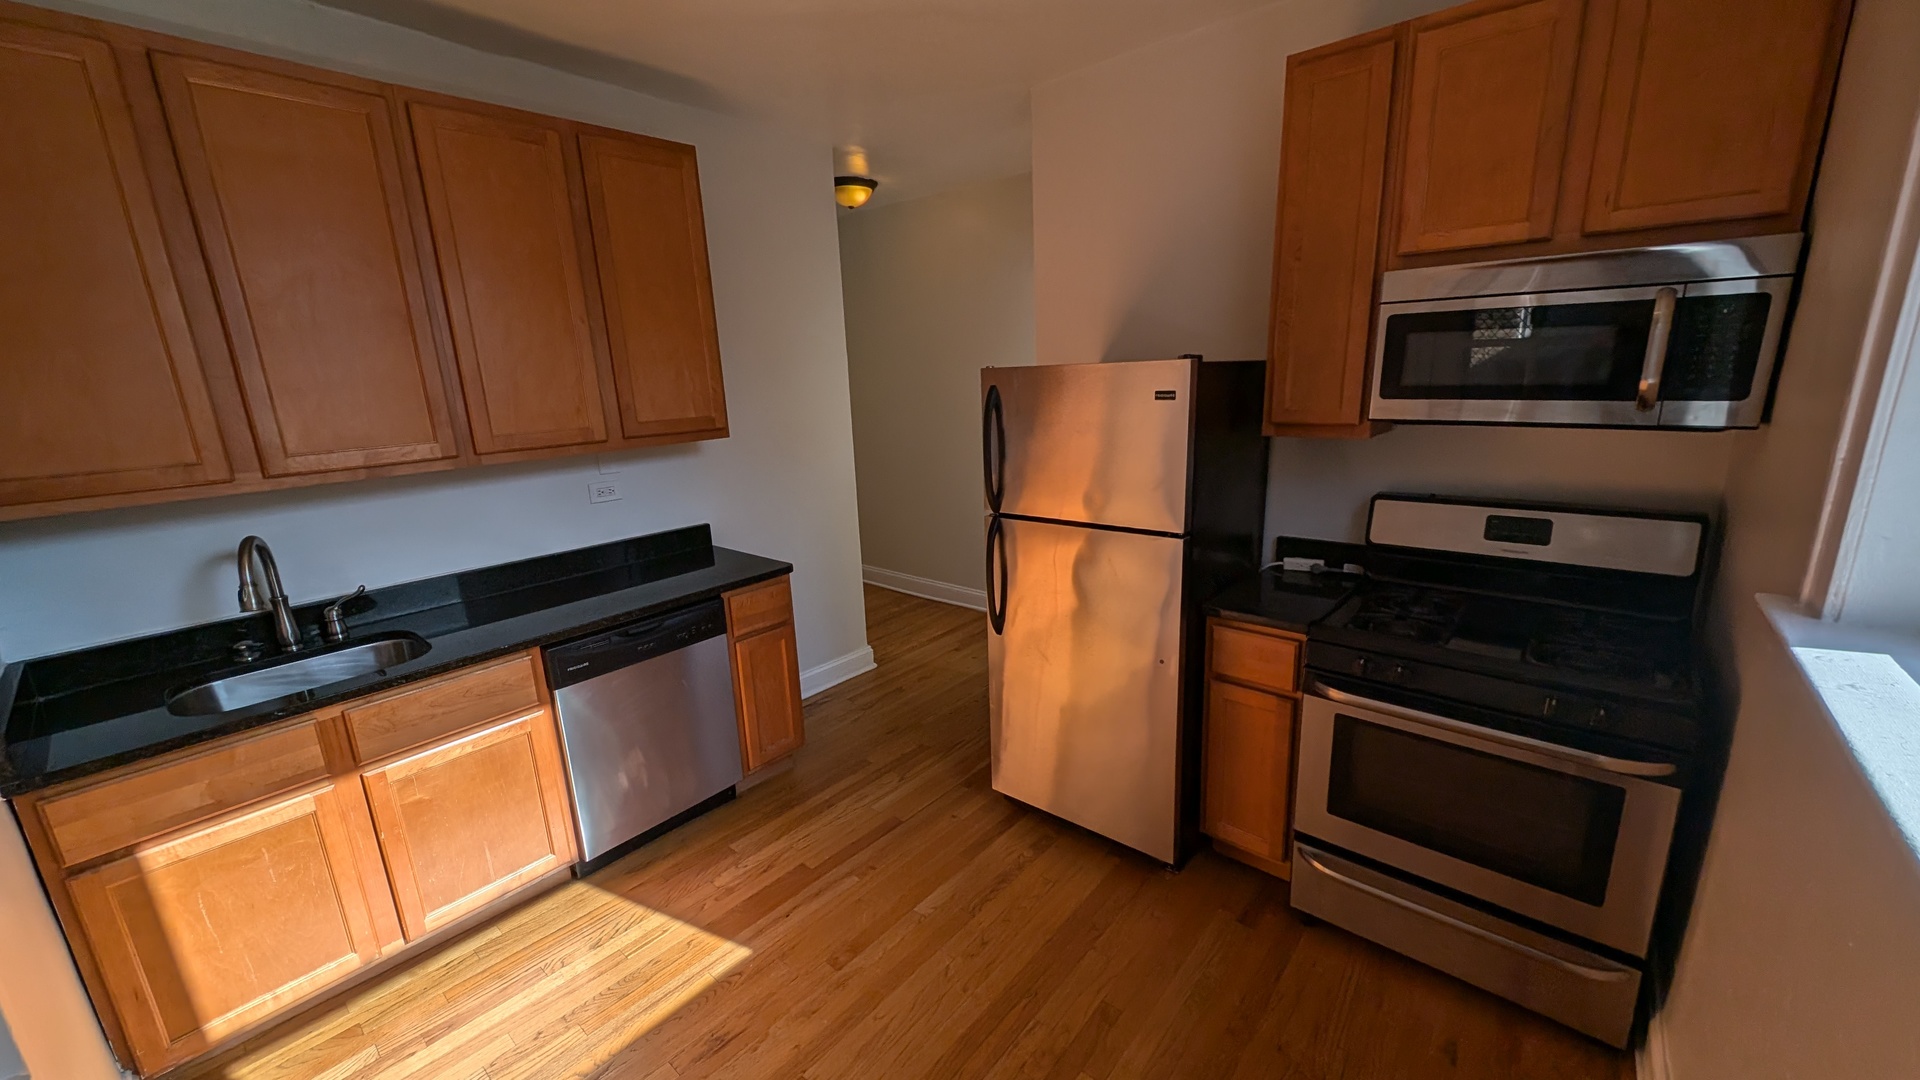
(1084,679)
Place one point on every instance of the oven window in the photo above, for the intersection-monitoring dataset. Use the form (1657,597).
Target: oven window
(1533,824)
(1553,352)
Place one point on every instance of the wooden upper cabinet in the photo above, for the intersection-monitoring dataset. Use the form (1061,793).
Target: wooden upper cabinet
(101,386)
(1332,168)
(501,195)
(297,191)
(202,935)
(1713,110)
(1488,99)
(650,245)
(470,820)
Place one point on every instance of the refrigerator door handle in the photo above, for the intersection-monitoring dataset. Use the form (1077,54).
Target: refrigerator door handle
(993,447)
(996,575)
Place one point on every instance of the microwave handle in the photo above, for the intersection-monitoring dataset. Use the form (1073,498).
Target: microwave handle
(1655,363)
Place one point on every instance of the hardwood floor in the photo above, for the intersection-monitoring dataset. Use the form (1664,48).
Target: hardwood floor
(879,911)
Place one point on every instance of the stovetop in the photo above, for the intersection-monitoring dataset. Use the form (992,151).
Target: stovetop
(1572,673)
(1608,651)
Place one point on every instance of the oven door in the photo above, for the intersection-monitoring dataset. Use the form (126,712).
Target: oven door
(1573,839)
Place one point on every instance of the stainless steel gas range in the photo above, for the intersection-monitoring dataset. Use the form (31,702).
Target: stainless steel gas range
(1497,733)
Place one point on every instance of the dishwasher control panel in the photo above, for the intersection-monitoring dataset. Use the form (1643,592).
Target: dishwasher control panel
(610,650)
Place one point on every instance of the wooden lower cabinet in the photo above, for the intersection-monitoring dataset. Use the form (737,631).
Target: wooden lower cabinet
(469,821)
(1249,779)
(214,889)
(200,935)
(1251,728)
(766,673)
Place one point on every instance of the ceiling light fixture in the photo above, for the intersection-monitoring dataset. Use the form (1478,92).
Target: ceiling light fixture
(853,192)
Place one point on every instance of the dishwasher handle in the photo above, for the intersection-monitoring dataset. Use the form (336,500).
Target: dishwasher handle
(636,642)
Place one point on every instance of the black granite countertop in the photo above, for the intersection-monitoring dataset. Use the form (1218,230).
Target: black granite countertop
(1283,599)
(83,712)
(1292,599)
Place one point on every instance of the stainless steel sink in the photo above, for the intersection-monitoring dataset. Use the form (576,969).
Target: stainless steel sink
(291,676)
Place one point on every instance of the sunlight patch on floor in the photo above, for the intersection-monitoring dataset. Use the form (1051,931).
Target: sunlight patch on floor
(557,987)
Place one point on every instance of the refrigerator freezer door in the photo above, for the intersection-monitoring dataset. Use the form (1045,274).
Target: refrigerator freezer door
(1084,680)
(1106,444)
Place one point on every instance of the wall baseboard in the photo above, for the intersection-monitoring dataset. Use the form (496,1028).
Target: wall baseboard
(834,672)
(1651,1062)
(926,588)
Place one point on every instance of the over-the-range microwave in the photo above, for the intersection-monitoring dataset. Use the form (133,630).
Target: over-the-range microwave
(1683,336)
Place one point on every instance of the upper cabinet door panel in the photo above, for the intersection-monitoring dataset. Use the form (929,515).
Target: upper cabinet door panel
(650,242)
(1491,90)
(502,209)
(101,389)
(1713,110)
(296,188)
(1333,154)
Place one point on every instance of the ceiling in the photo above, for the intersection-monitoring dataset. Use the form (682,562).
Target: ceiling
(935,91)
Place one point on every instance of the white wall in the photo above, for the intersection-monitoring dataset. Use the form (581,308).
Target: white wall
(781,486)
(1154,178)
(1802,958)
(936,288)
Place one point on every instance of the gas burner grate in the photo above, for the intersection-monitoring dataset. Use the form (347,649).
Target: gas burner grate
(1411,614)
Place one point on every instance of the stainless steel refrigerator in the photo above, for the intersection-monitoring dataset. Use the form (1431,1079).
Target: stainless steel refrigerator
(1120,498)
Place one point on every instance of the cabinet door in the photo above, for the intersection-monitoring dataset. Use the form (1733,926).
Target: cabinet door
(650,243)
(1712,110)
(101,389)
(766,673)
(1487,107)
(1333,153)
(296,188)
(199,936)
(1248,780)
(470,820)
(502,206)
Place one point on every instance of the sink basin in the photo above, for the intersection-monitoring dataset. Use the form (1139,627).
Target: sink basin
(286,677)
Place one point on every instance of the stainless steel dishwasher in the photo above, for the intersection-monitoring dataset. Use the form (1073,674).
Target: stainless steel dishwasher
(647,725)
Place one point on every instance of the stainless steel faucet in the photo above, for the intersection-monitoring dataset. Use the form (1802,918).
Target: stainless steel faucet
(283,625)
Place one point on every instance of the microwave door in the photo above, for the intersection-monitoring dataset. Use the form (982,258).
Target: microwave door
(1532,358)
(1720,361)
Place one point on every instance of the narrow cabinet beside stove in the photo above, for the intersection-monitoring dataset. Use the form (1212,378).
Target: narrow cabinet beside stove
(766,673)
(1252,713)
(210,890)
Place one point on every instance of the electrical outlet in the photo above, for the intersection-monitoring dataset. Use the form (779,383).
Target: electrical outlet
(603,491)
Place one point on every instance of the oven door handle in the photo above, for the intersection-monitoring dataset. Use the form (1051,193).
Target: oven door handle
(1592,974)
(1620,766)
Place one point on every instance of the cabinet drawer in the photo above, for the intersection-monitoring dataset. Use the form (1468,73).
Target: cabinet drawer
(416,715)
(759,607)
(1254,657)
(123,810)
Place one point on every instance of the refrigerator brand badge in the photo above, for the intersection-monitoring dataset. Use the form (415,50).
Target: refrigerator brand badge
(1163,395)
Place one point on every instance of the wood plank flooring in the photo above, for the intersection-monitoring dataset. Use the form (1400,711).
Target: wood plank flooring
(879,911)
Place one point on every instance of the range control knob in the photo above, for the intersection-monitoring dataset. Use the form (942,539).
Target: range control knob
(1362,665)
(1600,717)
(1550,706)
(1399,673)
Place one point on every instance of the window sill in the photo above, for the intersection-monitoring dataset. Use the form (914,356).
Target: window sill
(1869,681)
